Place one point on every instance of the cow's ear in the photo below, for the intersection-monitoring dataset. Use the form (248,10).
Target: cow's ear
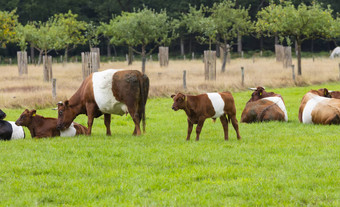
(173,95)
(33,112)
(66,103)
(326,93)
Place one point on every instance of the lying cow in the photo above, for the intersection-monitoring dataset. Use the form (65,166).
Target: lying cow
(8,129)
(264,106)
(209,105)
(329,94)
(317,109)
(107,92)
(40,126)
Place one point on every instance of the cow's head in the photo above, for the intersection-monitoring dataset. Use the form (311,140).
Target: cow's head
(2,114)
(257,94)
(324,92)
(25,118)
(179,101)
(65,115)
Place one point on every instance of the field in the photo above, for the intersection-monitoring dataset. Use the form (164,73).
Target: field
(277,164)
(274,164)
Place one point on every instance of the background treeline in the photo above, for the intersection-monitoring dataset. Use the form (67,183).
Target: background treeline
(103,11)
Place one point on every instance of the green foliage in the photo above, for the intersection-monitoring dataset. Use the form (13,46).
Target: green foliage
(92,34)
(8,22)
(72,29)
(275,163)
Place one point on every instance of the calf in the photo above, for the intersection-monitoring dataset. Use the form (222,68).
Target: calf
(264,106)
(209,105)
(40,126)
(8,130)
(329,94)
(317,109)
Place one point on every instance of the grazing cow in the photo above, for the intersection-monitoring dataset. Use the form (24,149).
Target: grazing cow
(317,109)
(264,106)
(8,130)
(329,94)
(335,53)
(107,92)
(209,105)
(40,126)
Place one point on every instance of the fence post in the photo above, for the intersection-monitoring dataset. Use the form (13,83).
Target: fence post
(184,79)
(97,61)
(210,65)
(192,56)
(47,65)
(164,56)
(54,88)
(242,71)
(293,73)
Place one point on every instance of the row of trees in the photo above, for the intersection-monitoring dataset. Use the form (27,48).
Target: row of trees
(143,30)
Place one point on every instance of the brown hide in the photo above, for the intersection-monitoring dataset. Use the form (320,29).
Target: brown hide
(198,108)
(257,109)
(329,94)
(40,126)
(130,87)
(325,112)
(262,110)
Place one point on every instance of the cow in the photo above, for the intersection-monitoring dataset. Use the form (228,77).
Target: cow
(8,129)
(335,53)
(317,109)
(329,94)
(209,105)
(41,127)
(264,106)
(112,91)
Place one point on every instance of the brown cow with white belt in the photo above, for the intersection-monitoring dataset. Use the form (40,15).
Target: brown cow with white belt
(317,109)
(264,106)
(40,126)
(210,105)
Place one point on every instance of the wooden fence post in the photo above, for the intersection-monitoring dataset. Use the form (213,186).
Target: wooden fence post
(192,56)
(89,63)
(54,88)
(210,65)
(242,71)
(97,61)
(279,53)
(287,56)
(47,65)
(184,79)
(22,62)
(164,56)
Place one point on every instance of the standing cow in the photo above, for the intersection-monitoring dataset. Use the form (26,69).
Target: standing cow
(264,106)
(317,109)
(8,129)
(107,92)
(210,105)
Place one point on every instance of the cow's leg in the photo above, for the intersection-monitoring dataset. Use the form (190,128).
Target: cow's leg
(136,120)
(224,122)
(107,122)
(199,128)
(235,125)
(90,109)
(190,125)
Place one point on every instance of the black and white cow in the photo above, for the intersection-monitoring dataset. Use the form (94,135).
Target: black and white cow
(9,130)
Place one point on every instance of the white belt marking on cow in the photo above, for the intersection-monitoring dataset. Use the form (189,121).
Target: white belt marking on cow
(18,131)
(217,103)
(278,101)
(102,90)
(309,107)
(69,132)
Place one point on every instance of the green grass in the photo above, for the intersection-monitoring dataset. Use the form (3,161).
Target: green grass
(275,164)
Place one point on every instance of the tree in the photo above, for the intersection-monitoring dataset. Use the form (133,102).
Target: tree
(72,33)
(92,34)
(140,29)
(8,23)
(301,23)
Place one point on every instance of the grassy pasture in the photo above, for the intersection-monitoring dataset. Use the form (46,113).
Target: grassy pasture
(275,164)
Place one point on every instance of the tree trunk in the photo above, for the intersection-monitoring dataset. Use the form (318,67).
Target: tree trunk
(182,46)
(130,54)
(66,54)
(32,53)
(114,51)
(143,59)
(40,55)
(224,58)
(190,44)
(299,57)
(239,44)
(261,44)
(108,48)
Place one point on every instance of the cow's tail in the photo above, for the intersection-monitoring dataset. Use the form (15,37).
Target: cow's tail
(144,92)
